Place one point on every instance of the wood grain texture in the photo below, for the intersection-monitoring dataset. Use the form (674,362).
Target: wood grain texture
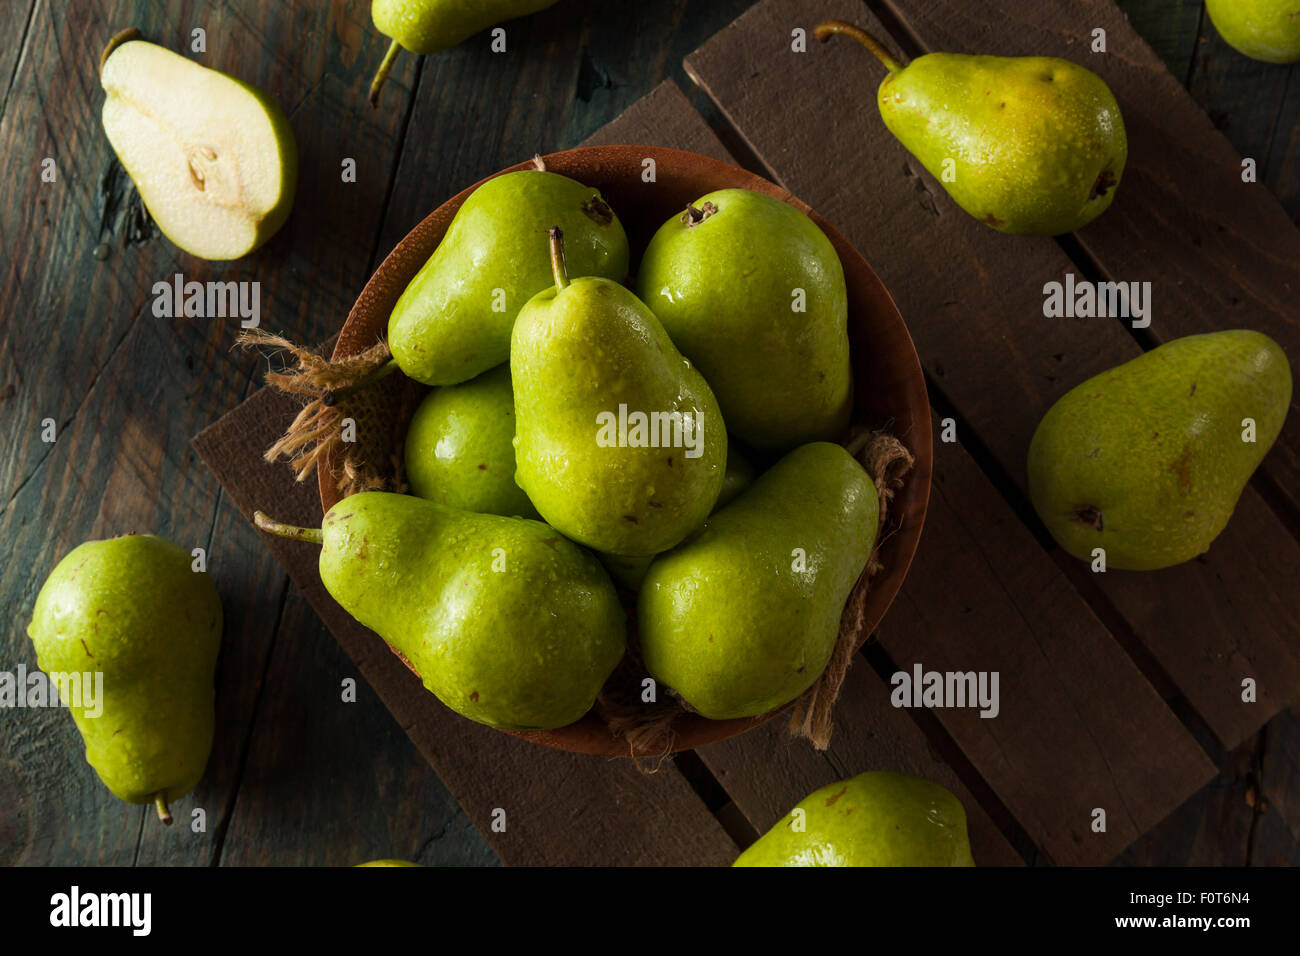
(1172,28)
(1079,728)
(1221,253)
(127,390)
(1255,105)
(1217,827)
(767,771)
(973,301)
(346,766)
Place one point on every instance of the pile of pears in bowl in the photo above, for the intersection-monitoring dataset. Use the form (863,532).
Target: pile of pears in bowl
(607,415)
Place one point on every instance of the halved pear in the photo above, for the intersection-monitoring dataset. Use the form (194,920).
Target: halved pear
(214,158)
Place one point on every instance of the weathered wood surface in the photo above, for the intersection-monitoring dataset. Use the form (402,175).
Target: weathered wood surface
(297,777)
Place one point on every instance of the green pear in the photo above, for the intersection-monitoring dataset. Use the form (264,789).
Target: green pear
(391,863)
(1147,460)
(504,620)
(453,321)
(213,158)
(742,617)
(619,442)
(132,609)
(1267,30)
(753,293)
(873,819)
(630,570)
(427,26)
(460,447)
(1029,145)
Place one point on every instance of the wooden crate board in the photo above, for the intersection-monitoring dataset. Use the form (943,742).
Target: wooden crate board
(558,808)
(1222,253)
(972,299)
(767,772)
(1080,728)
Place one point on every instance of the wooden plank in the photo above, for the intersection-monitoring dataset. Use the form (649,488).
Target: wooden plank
(1221,253)
(973,303)
(80,345)
(663,117)
(1079,728)
(1171,27)
(767,772)
(15,18)
(559,808)
(347,768)
(1216,827)
(1256,106)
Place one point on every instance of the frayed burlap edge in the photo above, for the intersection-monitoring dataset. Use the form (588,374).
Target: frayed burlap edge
(887,460)
(649,732)
(316,432)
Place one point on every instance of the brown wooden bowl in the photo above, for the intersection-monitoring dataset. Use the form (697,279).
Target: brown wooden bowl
(889,386)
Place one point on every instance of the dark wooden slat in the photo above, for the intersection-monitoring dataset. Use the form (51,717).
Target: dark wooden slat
(973,302)
(1256,106)
(1171,27)
(1221,253)
(1080,728)
(767,772)
(14,19)
(127,390)
(1277,800)
(663,117)
(304,766)
(624,817)
(1213,828)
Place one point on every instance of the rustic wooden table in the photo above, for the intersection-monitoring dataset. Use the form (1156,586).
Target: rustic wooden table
(295,778)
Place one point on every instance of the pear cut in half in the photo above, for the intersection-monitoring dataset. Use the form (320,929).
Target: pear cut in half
(213,158)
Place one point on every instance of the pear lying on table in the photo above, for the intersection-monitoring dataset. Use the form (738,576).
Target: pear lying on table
(1147,460)
(873,819)
(391,863)
(505,621)
(460,449)
(427,26)
(214,159)
(619,441)
(132,609)
(752,292)
(1028,145)
(742,617)
(1267,30)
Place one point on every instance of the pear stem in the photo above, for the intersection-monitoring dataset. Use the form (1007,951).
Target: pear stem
(160,804)
(824,31)
(558,268)
(310,535)
(855,445)
(122,36)
(381,74)
(336,395)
